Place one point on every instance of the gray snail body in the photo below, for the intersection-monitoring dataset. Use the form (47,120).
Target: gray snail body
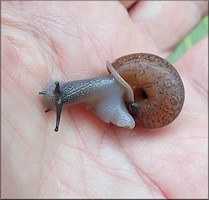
(141,88)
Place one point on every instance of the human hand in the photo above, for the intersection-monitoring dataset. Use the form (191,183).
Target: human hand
(87,158)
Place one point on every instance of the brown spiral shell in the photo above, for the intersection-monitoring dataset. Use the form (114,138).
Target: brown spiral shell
(157,86)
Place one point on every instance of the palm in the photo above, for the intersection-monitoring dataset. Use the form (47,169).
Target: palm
(88,158)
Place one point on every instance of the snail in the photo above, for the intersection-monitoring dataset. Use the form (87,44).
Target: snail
(141,88)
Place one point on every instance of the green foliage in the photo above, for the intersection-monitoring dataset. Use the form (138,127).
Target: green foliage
(196,35)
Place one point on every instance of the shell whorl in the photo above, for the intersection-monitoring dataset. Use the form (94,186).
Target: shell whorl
(157,86)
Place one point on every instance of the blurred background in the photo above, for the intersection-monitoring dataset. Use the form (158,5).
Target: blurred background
(196,35)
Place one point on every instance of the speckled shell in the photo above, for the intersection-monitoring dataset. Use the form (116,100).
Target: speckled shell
(157,86)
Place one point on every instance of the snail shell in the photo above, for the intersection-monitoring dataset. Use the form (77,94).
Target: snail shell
(157,87)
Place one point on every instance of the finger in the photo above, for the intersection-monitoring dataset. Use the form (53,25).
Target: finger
(168,22)
(194,67)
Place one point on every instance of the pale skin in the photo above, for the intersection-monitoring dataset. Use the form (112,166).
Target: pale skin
(88,158)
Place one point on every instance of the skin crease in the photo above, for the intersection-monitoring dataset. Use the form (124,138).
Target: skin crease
(43,41)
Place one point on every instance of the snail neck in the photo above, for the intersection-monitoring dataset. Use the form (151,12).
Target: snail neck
(89,90)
